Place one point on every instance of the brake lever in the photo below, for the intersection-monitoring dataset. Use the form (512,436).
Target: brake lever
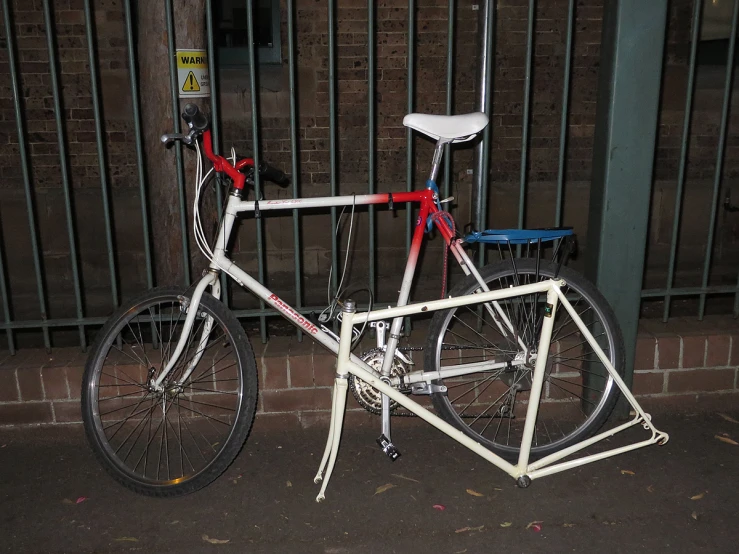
(171,137)
(186,139)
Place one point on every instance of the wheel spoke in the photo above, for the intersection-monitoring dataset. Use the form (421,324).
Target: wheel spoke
(164,440)
(470,403)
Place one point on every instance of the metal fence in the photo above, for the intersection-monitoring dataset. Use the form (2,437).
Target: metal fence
(490,20)
(670,292)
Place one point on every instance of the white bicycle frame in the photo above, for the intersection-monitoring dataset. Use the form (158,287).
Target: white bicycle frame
(347,363)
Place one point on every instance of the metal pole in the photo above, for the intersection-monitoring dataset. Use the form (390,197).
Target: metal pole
(372,130)
(99,137)
(63,167)
(254,91)
(332,138)
(627,112)
(294,153)
(24,163)
(138,140)
(565,111)
(526,117)
(486,26)
(449,98)
(214,120)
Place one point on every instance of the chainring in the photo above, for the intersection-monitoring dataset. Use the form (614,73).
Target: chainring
(367,396)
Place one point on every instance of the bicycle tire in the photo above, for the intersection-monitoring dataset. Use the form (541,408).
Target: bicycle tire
(214,407)
(472,403)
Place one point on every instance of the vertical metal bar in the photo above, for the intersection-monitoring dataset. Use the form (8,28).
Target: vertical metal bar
(565,112)
(63,168)
(332,137)
(695,37)
(449,99)
(138,141)
(169,11)
(486,23)
(719,157)
(214,120)
(294,152)
(411,104)
(526,112)
(10,36)
(253,91)
(372,130)
(6,302)
(100,150)
(410,140)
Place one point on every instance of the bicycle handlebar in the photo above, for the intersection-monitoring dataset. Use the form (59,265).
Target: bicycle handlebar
(277,176)
(194,118)
(198,123)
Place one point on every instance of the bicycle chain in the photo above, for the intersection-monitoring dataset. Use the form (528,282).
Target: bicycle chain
(398,412)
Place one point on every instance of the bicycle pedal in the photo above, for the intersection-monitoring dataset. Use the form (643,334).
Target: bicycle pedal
(388,448)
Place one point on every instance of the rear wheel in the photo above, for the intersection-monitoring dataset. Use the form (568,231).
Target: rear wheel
(490,406)
(176,440)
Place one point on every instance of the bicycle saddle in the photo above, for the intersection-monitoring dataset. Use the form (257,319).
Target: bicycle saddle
(447,128)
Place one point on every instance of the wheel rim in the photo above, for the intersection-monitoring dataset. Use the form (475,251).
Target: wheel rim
(491,406)
(168,437)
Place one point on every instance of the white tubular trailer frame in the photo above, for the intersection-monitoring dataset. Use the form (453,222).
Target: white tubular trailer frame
(523,471)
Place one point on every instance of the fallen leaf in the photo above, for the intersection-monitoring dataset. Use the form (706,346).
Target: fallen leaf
(698,496)
(694,515)
(727,440)
(497,488)
(650,488)
(439,507)
(474,493)
(535,525)
(627,472)
(206,538)
(81,499)
(399,476)
(67,501)
(289,484)
(728,418)
(383,488)
(127,539)
(465,529)
(506,524)
(568,525)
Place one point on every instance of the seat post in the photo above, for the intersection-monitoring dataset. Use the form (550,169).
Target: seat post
(438,153)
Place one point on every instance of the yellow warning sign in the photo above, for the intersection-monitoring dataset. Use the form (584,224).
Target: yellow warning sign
(192,58)
(192,73)
(191,83)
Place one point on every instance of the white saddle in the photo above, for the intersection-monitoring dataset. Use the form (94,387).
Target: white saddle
(447,128)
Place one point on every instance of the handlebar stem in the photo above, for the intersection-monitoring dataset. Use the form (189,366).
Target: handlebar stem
(222,165)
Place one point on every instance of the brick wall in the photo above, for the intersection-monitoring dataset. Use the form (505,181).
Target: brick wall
(685,365)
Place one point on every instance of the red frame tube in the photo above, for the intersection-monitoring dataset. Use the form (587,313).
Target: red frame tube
(425,197)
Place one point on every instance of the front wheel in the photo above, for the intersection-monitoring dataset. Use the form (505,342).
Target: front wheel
(178,438)
(490,406)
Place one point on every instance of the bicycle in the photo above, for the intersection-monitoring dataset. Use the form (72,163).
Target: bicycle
(170,388)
